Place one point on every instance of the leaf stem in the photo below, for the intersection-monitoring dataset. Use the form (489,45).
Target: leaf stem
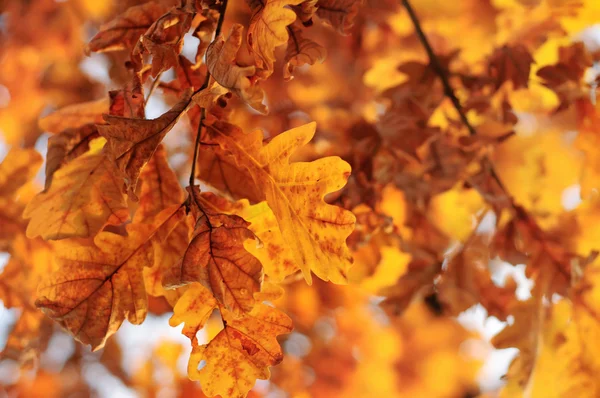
(203,87)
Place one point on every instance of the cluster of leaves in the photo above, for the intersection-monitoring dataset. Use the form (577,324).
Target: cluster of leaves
(441,161)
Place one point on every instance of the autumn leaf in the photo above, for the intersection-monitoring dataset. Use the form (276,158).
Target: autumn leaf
(315,231)
(125,30)
(160,189)
(85,195)
(18,167)
(131,142)
(268,29)
(193,309)
(274,253)
(75,116)
(241,353)
(216,257)
(221,62)
(339,14)
(301,51)
(97,286)
(66,146)
(511,64)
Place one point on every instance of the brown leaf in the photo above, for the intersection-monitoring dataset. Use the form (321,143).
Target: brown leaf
(216,257)
(97,287)
(66,146)
(339,14)
(221,62)
(510,63)
(132,142)
(124,31)
(301,51)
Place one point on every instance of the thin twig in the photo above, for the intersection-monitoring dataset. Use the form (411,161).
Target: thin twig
(203,87)
(152,88)
(437,66)
(449,91)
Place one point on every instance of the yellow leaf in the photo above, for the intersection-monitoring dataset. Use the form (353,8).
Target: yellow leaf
(315,231)
(85,195)
(241,353)
(193,308)
(268,29)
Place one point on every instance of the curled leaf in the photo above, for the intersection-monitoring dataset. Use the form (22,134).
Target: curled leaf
(124,31)
(268,29)
(221,62)
(131,142)
(301,51)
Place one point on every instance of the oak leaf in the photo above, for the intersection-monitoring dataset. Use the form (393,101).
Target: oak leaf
(274,253)
(75,115)
(193,309)
(160,189)
(66,146)
(131,142)
(221,62)
(268,29)
(315,231)
(339,14)
(124,31)
(97,286)
(216,257)
(301,51)
(85,195)
(241,353)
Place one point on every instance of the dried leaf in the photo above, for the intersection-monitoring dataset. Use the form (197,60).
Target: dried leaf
(131,142)
(97,287)
(301,51)
(125,30)
(85,195)
(221,62)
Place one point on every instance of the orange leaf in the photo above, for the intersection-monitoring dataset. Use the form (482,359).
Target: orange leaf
(241,353)
(84,196)
(268,29)
(98,286)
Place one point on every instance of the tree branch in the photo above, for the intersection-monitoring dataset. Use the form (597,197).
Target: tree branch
(449,91)
(203,87)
